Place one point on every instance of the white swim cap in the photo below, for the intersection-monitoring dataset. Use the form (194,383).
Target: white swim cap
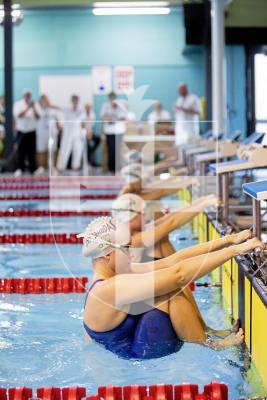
(127,206)
(133,172)
(133,156)
(102,236)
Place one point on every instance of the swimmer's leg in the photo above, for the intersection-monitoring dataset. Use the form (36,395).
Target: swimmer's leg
(167,248)
(220,333)
(188,327)
(154,251)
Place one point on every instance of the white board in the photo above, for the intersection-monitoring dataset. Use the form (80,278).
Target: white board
(102,80)
(60,88)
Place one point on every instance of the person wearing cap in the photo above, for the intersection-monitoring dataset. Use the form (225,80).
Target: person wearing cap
(133,210)
(187,112)
(139,310)
(133,157)
(136,177)
(26,117)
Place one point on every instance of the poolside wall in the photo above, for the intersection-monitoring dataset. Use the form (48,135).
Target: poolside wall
(241,297)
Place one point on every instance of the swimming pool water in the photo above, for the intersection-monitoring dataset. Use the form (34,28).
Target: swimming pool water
(42,341)
(48,225)
(42,344)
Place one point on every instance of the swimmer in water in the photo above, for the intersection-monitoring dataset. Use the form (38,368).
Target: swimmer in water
(119,285)
(138,182)
(132,209)
(136,157)
(150,242)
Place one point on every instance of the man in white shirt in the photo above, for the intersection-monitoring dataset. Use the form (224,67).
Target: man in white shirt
(26,116)
(73,139)
(158,115)
(114,127)
(187,111)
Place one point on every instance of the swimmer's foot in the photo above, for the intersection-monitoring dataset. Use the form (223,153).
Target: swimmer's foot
(223,333)
(222,344)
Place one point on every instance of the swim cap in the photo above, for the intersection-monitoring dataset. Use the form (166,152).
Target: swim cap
(132,173)
(126,207)
(102,236)
(133,156)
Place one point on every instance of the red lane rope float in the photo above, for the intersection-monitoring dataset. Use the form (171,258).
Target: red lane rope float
(185,391)
(43,285)
(37,186)
(48,285)
(45,238)
(33,179)
(46,213)
(105,196)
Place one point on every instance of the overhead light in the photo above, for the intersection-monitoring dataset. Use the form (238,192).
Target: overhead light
(123,4)
(132,11)
(16,14)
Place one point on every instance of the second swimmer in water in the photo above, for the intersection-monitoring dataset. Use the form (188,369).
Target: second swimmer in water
(110,316)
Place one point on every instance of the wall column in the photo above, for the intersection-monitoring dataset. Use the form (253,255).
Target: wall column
(218,67)
(8,63)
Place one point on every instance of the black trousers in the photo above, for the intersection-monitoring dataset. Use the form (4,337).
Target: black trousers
(114,143)
(27,150)
(92,145)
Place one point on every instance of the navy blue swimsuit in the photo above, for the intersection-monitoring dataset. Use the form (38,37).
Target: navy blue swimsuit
(147,335)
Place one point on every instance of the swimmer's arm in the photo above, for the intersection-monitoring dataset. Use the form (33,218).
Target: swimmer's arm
(186,213)
(158,193)
(212,245)
(181,255)
(169,223)
(130,288)
(197,205)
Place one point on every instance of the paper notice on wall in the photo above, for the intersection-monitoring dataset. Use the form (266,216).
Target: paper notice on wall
(123,76)
(102,80)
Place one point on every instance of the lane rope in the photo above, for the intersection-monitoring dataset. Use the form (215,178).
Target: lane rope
(46,213)
(188,391)
(43,285)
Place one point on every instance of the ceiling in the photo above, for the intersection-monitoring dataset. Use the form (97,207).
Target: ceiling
(70,3)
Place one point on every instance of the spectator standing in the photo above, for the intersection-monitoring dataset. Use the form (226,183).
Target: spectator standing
(46,131)
(113,118)
(158,115)
(26,117)
(72,140)
(92,139)
(187,111)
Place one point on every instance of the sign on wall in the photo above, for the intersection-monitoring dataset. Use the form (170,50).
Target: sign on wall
(123,76)
(102,80)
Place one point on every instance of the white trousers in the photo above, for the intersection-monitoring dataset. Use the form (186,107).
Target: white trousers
(70,144)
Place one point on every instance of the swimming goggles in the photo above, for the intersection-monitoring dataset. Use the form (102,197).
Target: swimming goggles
(124,248)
